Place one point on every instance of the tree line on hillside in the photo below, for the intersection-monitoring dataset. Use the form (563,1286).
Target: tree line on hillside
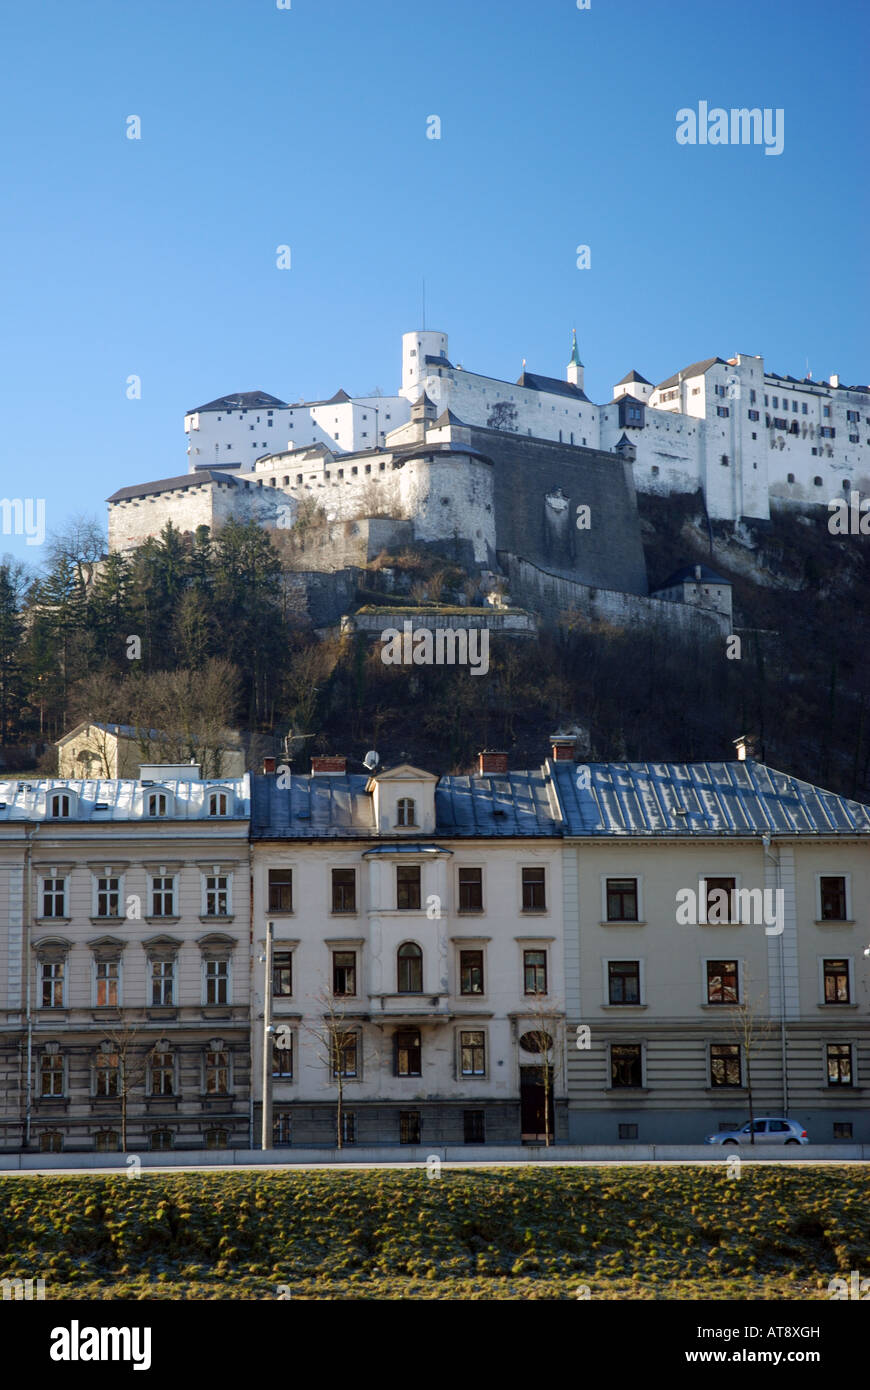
(218,644)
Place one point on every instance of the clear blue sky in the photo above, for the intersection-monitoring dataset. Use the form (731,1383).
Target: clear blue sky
(307,127)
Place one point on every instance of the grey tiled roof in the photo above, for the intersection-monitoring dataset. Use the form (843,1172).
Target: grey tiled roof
(242,400)
(552,385)
(730,799)
(696,369)
(633,376)
(184,480)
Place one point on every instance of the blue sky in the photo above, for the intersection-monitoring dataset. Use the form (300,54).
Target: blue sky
(307,127)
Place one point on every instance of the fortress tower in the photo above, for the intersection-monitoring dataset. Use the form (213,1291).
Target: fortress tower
(421,351)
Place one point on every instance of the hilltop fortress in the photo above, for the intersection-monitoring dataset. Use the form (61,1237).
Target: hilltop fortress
(512,477)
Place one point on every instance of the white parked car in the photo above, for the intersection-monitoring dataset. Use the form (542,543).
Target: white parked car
(774,1129)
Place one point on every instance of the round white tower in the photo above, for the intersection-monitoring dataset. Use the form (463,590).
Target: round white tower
(416,347)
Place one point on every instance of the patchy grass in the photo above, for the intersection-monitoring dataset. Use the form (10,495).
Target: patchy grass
(647,1232)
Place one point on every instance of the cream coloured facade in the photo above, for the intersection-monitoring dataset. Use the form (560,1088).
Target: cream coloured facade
(433,943)
(124,964)
(681,1014)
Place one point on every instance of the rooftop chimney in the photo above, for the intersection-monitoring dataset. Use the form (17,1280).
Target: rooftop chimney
(835,380)
(563,748)
(745,746)
(268,765)
(491,761)
(325,765)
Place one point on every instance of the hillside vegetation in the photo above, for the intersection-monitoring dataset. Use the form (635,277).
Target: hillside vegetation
(223,642)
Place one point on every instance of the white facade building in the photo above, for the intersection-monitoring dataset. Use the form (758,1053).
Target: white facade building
(742,435)
(234,431)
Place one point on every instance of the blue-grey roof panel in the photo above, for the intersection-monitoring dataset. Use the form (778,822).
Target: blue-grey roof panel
(515,804)
(737,798)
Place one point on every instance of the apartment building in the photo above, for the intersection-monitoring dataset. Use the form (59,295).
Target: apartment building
(716,918)
(124,963)
(417,955)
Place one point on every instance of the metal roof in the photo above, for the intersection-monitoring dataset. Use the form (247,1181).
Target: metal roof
(100,799)
(693,799)
(313,807)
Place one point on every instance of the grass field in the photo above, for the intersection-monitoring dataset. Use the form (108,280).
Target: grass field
(646,1232)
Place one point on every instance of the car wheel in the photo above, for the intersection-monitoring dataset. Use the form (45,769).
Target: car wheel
(729,1141)
(792,1141)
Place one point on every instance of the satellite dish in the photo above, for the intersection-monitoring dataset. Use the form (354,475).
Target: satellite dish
(371,760)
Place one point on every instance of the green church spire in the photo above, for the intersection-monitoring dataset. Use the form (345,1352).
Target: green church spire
(575,356)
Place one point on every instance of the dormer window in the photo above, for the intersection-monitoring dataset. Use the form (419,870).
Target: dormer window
(405,811)
(156,804)
(218,803)
(59,805)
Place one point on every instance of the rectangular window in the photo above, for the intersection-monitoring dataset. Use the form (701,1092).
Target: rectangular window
(282,1057)
(108,1067)
(348,1127)
(162,983)
(107,984)
(163,897)
(281,1129)
(345,1049)
(51,1075)
(722,982)
(54,897)
(724,1064)
(623,981)
(282,974)
(842,1129)
(839,1064)
(534,972)
(626,1064)
(470,890)
(409,1126)
(472,1049)
(408,1052)
(753,414)
(471,972)
(162,1074)
(108,897)
(280,890)
(217,982)
(217,1072)
(722,411)
(343,890)
(52,984)
(407,886)
(217,895)
(628,1131)
(622,900)
(473,1125)
(718,892)
(534,890)
(832,892)
(836,974)
(344,972)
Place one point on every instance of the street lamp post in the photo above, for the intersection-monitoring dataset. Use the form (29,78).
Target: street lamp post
(266,1136)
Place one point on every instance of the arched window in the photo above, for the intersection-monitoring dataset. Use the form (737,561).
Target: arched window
(156,804)
(59,805)
(405,811)
(217,803)
(410,963)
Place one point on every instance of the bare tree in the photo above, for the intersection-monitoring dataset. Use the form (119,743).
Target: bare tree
(750,1026)
(131,1066)
(337,1045)
(546,1038)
